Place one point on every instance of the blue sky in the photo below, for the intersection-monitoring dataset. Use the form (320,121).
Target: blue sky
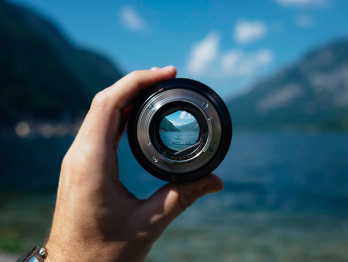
(180,118)
(228,45)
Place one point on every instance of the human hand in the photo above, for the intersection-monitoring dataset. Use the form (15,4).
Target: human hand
(96,218)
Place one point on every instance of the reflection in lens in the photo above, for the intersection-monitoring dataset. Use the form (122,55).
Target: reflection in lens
(179,130)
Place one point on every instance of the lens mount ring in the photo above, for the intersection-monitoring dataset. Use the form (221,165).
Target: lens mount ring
(170,96)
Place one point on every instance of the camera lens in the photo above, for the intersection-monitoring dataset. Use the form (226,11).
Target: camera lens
(179,130)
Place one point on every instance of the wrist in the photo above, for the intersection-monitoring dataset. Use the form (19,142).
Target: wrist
(60,251)
(55,253)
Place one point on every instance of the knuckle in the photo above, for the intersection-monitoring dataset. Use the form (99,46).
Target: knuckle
(100,99)
(135,74)
(65,161)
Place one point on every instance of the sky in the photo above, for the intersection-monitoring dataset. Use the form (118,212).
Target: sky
(228,45)
(180,118)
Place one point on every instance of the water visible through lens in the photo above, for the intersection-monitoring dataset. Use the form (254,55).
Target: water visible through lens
(179,130)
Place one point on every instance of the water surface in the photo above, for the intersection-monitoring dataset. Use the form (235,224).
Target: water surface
(285,199)
(179,140)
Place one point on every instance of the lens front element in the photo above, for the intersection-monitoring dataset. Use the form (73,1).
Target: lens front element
(179,130)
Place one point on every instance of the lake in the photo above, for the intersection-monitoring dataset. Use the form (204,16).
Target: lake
(285,199)
(179,140)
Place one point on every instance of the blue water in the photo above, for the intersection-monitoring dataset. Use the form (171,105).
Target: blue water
(261,171)
(285,199)
(179,140)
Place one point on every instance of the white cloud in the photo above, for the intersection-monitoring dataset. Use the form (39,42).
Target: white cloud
(177,123)
(248,31)
(203,53)
(208,60)
(230,61)
(305,21)
(237,63)
(131,19)
(303,3)
(185,115)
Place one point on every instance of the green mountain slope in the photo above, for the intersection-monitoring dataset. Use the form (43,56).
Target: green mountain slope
(312,94)
(167,126)
(193,126)
(42,74)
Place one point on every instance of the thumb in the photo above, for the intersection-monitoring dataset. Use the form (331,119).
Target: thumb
(172,199)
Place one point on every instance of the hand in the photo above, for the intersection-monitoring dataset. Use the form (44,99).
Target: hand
(96,218)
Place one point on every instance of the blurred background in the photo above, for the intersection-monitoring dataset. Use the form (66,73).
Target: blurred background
(280,65)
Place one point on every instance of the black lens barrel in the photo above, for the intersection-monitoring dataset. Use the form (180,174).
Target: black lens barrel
(149,163)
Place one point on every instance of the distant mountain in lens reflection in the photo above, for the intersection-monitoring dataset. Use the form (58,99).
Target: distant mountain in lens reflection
(167,126)
(193,126)
(312,95)
(44,76)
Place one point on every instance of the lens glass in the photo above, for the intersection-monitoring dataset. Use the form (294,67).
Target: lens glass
(179,130)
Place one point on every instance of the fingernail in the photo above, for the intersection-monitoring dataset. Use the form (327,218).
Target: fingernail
(154,69)
(167,68)
(212,188)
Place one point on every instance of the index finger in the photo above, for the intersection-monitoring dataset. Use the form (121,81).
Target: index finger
(104,118)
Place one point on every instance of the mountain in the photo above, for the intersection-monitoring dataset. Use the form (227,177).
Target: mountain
(311,94)
(43,75)
(167,126)
(193,126)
